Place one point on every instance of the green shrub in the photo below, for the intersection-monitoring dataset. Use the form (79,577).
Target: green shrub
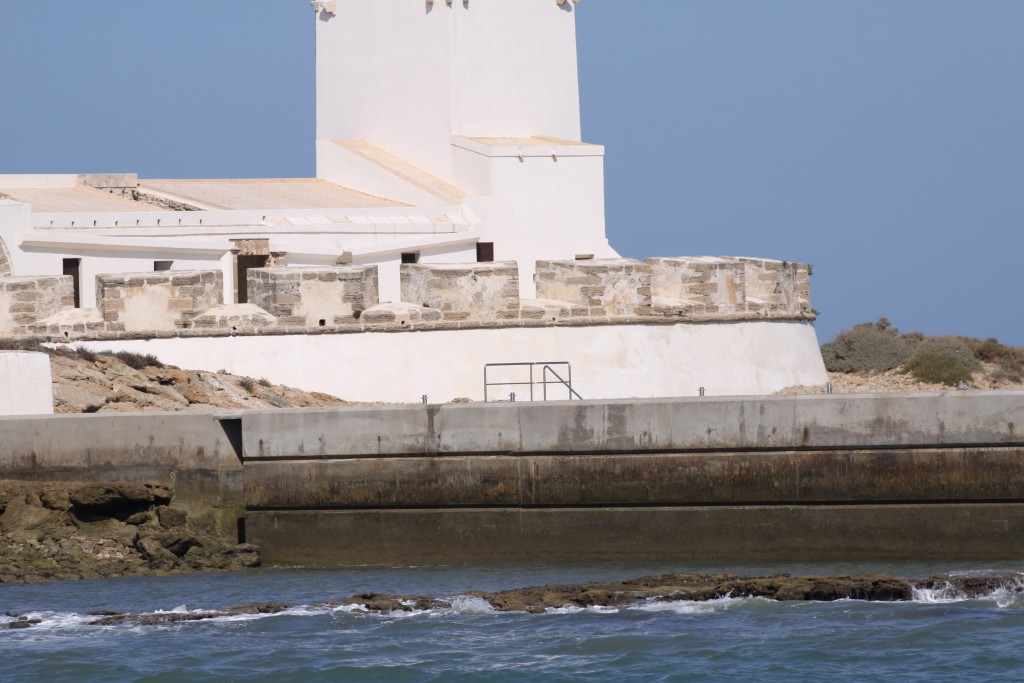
(264,382)
(247,383)
(943,360)
(866,348)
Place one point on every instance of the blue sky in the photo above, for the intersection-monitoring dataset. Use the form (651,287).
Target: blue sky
(880,140)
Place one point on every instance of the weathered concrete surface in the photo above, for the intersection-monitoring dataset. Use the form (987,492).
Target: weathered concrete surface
(770,478)
(956,419)
(742,533)
(193,454)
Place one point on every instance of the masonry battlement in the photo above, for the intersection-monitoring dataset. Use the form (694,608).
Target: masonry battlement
(336,299)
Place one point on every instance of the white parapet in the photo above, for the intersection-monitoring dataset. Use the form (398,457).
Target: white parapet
(26,384)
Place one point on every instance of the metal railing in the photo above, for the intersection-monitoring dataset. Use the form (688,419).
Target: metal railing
(548,375)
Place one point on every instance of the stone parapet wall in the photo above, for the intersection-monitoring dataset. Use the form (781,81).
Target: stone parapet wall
(314,297)
(702,283)
(25,301)
(777,285)
(160,301)
(486,292)
(707,285)
(344,299)
(606,287)
(234,318)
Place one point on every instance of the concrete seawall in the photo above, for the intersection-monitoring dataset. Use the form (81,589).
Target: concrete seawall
(802,478)
(807,478)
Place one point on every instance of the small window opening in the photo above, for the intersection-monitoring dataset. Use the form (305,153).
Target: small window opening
(410,257)
(584,257)
(323,322)
(162,265)
(484,252)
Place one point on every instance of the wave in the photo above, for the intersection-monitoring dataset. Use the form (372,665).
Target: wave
(973,586)
(1004,590)
(460,606)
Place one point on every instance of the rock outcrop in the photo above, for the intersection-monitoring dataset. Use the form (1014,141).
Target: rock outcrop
(100,383)
(662,588)
(92,531)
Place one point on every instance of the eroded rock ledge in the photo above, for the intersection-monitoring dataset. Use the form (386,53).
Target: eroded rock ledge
(102,530)
(661,588)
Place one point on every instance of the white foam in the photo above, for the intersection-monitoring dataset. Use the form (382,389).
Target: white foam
(573,609)
(695,606)
(941,595)
(1005,596)
(468,605)
(55,621)
(351,609)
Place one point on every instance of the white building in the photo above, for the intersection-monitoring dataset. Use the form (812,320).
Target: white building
(447,133)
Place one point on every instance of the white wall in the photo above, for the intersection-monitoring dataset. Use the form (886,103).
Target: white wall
(541,209)
(514,69)
(406,75)
(16,218)
(26,384)
(383,75)
(620,361)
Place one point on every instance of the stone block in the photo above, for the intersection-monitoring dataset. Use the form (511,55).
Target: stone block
(777,287)
(464,291)
(28,300)
(303,297)
(698,284)
(607,287)
(162,301)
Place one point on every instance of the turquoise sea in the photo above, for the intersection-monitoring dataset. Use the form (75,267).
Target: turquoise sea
(937,637)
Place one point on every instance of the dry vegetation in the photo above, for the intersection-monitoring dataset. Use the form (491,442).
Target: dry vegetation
(873,357)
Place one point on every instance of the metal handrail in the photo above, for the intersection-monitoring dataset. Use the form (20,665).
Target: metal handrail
(545,369)
(568,385)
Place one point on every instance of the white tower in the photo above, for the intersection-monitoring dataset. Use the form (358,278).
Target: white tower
(472,103)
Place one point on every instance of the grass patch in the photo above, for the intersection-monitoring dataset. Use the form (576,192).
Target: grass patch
(136,361)
(22,344)
(86,354)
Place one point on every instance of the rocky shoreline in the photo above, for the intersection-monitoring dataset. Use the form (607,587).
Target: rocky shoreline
(660,588)
(103,530)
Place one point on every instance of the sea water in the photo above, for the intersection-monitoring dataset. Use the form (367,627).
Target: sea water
(936,637)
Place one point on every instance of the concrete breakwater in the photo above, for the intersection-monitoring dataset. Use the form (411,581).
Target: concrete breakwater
(780,478)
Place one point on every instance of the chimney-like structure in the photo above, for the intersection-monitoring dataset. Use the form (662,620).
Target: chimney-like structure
(407,75)
(472,103)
